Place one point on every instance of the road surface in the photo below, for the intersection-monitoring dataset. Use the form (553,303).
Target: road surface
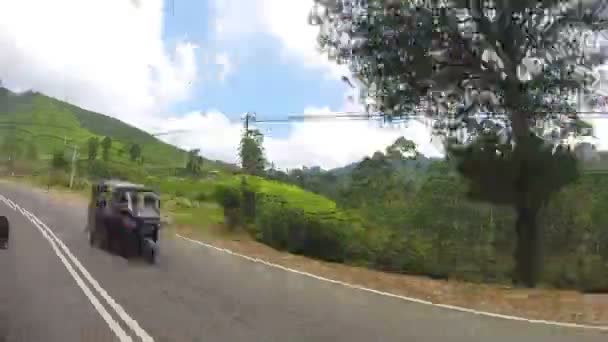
(78,293)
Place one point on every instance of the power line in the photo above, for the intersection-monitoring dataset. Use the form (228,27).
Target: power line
(169,132)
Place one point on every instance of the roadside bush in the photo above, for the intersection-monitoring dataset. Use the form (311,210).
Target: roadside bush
(401,253)
(81,184)
(593,274)
(58,178)
(581,272)
(58,161)
(248,205)
(228,197)
(331,237)
(182,202)
(201,197)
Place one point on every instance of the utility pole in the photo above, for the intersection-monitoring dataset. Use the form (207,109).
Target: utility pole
(74,155)
(246,134)
(247,117)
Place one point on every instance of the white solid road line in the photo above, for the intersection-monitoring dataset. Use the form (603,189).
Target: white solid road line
(141,333)
(48,234)
(388,294)
(114,326)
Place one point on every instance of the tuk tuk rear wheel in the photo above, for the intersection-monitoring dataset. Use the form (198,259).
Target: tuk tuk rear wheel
(102,237)
(124,248)
(151,256)
(128,245)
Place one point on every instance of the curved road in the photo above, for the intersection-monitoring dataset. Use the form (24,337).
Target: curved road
(54,287)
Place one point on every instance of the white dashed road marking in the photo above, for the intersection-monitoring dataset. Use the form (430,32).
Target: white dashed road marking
(63,253)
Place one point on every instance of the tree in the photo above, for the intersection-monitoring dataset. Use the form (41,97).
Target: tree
(134,152)
(195,162)
(92,148)
(376,177)
(402,149)
(251,152)
(59,162)
(369,180)
(106,145)
(517,58)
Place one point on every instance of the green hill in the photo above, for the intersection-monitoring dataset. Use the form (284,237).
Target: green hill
(33,119)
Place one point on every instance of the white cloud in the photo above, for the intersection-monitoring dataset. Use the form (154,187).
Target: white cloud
(326,144)
(225,66)
(212,132)
(287,21)
(600,125)
(105,55)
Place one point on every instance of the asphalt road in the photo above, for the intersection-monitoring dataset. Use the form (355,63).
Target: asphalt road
(78,293)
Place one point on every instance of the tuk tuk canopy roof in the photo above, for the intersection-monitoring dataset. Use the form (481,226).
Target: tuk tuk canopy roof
(113,185)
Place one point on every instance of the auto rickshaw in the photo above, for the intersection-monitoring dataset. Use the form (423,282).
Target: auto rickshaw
(124,216)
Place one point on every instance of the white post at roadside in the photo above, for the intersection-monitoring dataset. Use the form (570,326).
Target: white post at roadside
(74,154)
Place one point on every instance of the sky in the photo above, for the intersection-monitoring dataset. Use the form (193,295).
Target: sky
(194,65)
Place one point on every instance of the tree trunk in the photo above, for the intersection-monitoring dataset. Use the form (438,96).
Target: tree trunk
(527,251)
(231,218)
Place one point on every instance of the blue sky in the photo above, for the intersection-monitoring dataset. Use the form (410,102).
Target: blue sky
(263,83)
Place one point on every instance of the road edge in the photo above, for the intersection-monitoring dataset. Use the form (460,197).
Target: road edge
(397,296)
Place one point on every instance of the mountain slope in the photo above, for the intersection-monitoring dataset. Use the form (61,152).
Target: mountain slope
(104,125)
(49,124)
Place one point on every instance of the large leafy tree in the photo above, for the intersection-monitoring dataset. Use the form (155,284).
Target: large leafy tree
(134,152)
(376,177)
(58,161)
(251,152)
(195,162)
(519,58)
(106,145)
(92,148)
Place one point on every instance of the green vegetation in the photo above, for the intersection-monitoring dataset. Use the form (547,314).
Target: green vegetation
(394,211)
(251,152)
(425,223)
(465,59)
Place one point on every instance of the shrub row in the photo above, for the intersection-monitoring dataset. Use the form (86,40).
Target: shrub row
(329,236)
(464,242)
